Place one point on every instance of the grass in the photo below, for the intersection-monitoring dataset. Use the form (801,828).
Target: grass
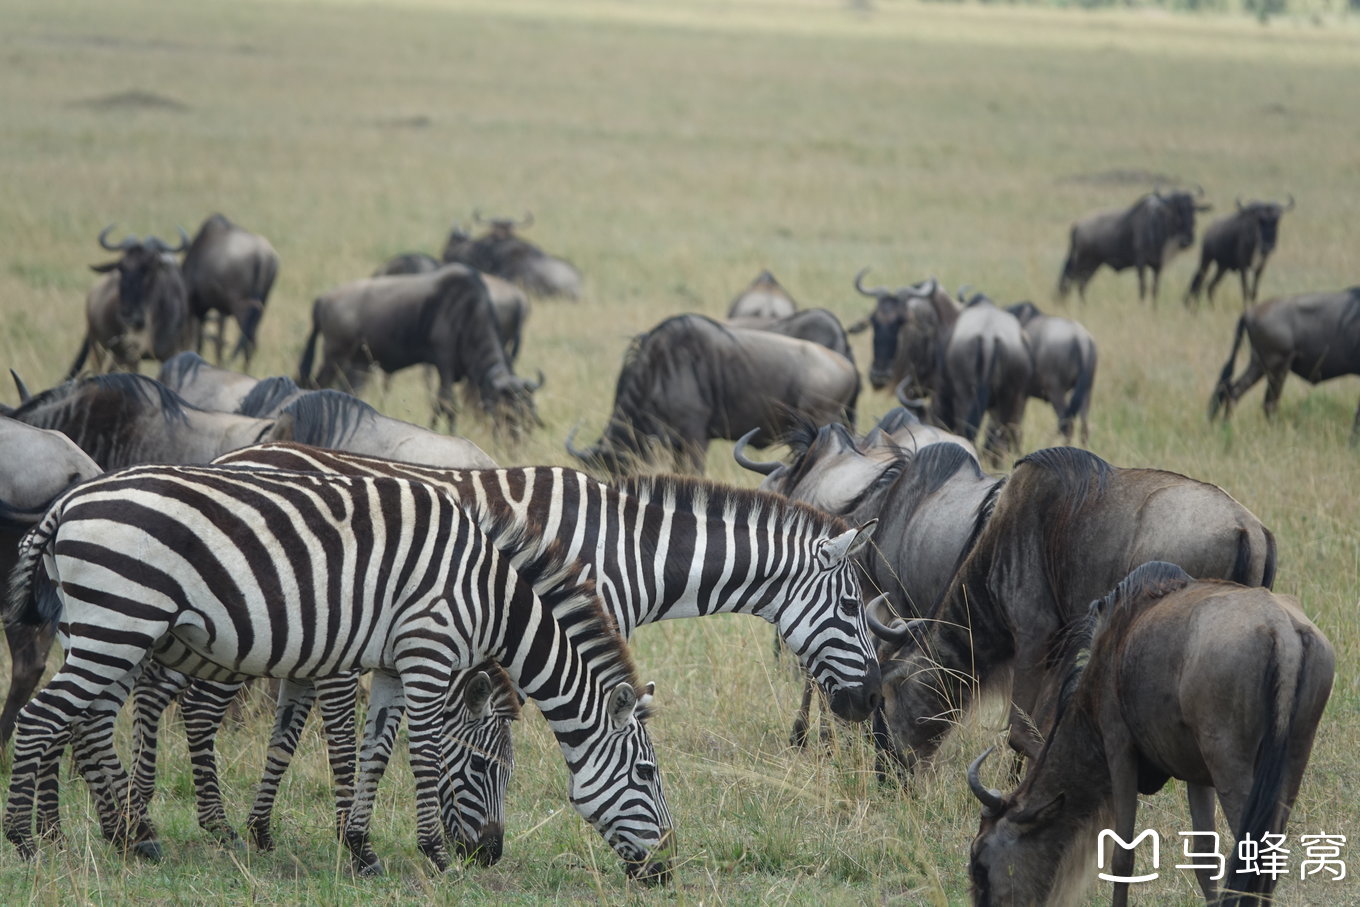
(672,151)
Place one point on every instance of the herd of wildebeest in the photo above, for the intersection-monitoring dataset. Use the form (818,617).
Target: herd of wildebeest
(1127,612)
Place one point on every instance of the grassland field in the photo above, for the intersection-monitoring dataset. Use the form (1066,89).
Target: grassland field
(673,150)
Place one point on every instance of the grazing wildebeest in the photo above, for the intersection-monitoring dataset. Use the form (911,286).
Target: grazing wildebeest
(512,306)
(139,309)
(814,325)
(39,466)
(339,421)
(925,502)
(205,386)
(1059,533)
(1219,685)
(229,271)
(1315,335)
(765,299)
(1144,236)
(909,327)
(1064,356)
(1239,242)
(690,379)
(444,318)
(984,370)
(501,252)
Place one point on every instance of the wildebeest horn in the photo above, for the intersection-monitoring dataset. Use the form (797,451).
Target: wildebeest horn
(963,293)
(898,632)
(535,385)
(1290,205)
(858,327)
(477,216)
(993,804)
(578,453)
(1199,191)
(915,404)
(528,220)
(24,395)
(739,454)
(127,243)
(875,292)
(160,245)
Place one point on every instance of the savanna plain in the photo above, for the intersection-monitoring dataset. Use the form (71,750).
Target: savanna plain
(672,151)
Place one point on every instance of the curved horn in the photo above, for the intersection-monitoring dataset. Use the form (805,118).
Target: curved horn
(993,804)
(583,455)
(963,293)
(535,385)
(1290,205)
(24,395)
(183,241)
(915,404)
(739,454)
(898,632)
(477,216)
(127,243)
(875,292)
(1199,191)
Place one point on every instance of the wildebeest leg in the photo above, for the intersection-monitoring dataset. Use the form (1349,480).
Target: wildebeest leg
(798,736)
(1197,282)
(1156,279)
(1124,799)
(1355,427)
(443,402)
(28,647)
(1219,273)
(1255,372)
(1142,283)
(1275,375)
(1201,799)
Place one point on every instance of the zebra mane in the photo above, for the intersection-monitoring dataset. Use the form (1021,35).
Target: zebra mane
(699,495)
(327,418)
(563,586)
(266,395)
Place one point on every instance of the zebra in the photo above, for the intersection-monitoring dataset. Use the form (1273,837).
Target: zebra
(224,572)
(780,560)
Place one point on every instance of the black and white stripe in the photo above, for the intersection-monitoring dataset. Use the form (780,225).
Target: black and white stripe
(227,572)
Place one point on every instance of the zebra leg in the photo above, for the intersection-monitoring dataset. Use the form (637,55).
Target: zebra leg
(337,697)
(156,688)
(295,704)
(385,706)
(426,699)
(204,707)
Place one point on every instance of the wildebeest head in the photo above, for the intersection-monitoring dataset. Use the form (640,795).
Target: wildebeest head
(507,400)
(1179,214)
(1267,215)
(892,324)
(138,268)
(503,227)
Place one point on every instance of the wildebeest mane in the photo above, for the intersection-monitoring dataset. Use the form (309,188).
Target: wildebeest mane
(181,367)
(266,395)
(653,358)
(803,434)
(53,405)
(327,418)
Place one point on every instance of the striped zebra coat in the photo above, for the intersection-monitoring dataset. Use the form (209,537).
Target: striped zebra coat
(223,572)
(658,548)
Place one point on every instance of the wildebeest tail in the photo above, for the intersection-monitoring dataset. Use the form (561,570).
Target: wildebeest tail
(1086,378)
(309,350)
(1268,573)
(80,358)
(984,367)
(1065,277)
(33,600)
(1224,386)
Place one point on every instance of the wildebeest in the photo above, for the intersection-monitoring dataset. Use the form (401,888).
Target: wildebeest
(1315,335)
(984,370)
(512,306)
(1239,242)
(205,386)
(1144,236)
(925,502)
(909,326)
(690,379)
(765,298)
(139,309)
(444,318)
(1064,356)
(1059,533)
(39,466)
(339,421)
(814,325)
(501,252)
(229,271)
(1219,685)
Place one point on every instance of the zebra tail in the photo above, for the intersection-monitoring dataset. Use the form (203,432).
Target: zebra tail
(33,600)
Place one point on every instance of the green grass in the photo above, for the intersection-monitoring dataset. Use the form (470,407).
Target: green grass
(672,151)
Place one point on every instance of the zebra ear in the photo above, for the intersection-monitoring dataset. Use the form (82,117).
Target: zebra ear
(623,700)
(847,544)
(477,695)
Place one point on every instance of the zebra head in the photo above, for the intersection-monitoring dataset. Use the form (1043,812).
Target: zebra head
(616,786)
(822,620)
(479,760)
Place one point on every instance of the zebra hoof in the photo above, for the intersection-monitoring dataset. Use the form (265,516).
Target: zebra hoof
(149,850)
(371,870)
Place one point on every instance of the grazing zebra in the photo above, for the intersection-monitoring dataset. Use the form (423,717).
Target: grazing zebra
(658,548)
(225,572)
